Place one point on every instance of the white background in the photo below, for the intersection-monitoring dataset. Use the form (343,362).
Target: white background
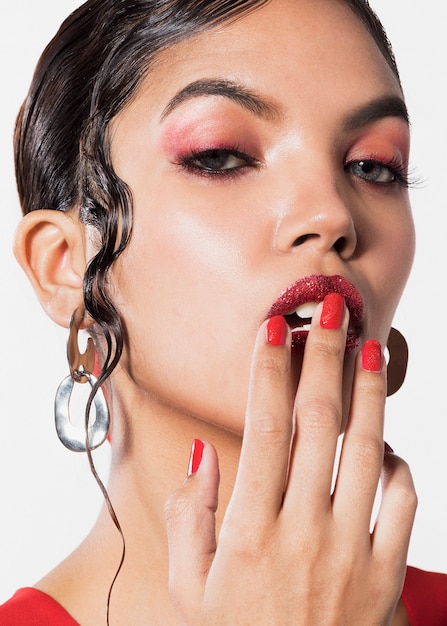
(48,497)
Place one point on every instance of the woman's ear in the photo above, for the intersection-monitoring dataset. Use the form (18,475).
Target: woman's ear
(50,247)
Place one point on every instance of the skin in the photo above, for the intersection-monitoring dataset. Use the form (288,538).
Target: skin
(209,255)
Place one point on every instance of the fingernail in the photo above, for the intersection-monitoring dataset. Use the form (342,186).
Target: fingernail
(332,313)
(196,456)
(388,448)
(372,356)
(276,331)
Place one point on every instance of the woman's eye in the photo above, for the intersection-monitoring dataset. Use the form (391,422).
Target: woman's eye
(374,171)
(217,161)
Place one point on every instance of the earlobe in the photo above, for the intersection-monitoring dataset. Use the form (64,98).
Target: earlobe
(50,247)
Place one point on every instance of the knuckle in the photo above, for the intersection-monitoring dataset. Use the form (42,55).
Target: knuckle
(176,509)
(271,367)
(372,387)
(271,429)
(318,414)
(366,448)
(410,500)
(248,541)
(408,493)
(398,475)
(327,346)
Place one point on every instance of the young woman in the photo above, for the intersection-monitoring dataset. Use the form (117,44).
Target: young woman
(217,192)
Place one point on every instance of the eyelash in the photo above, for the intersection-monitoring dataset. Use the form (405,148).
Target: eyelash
(397,169)
(189,162)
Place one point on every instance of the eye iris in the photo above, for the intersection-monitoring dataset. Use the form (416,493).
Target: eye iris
(373,171)
(214,159)
(370,169)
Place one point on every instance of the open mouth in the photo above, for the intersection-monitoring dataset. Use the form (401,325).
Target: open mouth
(297,303)
(301,318)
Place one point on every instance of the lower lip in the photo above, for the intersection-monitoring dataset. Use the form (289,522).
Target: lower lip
(299,339)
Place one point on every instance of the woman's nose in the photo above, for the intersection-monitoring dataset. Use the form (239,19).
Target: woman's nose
(320,217)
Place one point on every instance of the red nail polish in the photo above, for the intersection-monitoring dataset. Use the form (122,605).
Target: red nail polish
(196,456)
(276,331)
(372,356)
(332,313)
(388,448)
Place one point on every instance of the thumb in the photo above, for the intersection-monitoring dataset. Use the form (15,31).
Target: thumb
(190,524)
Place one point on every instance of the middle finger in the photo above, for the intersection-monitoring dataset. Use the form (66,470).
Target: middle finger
(318,410)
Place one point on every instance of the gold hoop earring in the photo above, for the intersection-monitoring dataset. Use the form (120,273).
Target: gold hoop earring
(81,367)
(398,361)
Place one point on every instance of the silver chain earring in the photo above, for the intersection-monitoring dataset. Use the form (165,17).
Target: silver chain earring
(73,437)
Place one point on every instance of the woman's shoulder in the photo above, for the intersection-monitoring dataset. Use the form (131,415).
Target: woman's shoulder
(31,607)
(425,597)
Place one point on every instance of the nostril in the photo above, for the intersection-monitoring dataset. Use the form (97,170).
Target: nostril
(300,240)
(340,245)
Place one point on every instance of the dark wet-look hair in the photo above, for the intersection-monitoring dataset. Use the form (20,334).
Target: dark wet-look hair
(86,75)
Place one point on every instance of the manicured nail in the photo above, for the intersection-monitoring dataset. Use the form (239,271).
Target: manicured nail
(372,356)
(195,457)
(332,313)
(276,331)
(388,448)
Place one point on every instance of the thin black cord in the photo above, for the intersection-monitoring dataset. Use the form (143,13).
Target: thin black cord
(107,501)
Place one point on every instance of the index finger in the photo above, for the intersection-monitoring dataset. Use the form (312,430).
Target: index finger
(268,428)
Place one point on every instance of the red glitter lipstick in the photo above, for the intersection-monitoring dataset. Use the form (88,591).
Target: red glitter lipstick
(313,289)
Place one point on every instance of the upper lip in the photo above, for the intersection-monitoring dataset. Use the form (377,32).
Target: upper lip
(314,288)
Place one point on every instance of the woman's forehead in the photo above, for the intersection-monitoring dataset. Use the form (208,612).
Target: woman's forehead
(304,47)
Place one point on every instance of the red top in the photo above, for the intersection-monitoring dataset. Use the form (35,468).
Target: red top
(424,597)
(30,607)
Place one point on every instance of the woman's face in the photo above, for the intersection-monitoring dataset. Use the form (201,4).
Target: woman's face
(261,152)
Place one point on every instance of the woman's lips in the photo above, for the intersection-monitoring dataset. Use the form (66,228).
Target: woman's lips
(314,289)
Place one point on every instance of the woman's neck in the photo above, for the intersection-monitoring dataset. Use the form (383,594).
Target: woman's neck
(150,453)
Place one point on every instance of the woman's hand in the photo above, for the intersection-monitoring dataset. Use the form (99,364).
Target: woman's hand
(289,551)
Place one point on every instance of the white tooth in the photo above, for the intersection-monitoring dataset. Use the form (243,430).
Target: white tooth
(301,328)
(306,310)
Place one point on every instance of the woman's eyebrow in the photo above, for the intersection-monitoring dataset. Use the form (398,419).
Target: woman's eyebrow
(386,106)
(244,97)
